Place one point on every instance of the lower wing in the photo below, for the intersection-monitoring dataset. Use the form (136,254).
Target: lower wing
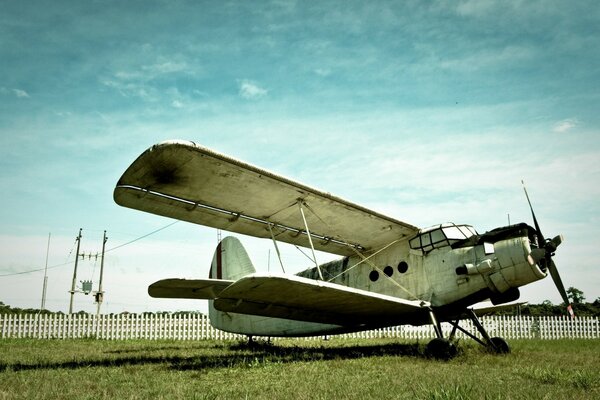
(302,299)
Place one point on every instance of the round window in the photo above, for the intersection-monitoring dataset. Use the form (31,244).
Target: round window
(402,267)
(373,276)
(388,270)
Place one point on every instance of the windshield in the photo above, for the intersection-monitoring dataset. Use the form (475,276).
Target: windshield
(441,236)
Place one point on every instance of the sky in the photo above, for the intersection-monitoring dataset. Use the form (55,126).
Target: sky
(426,111)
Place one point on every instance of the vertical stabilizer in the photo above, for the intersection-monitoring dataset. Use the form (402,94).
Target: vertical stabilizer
(230,261)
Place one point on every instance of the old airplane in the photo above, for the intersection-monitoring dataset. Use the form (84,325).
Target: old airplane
(390,272)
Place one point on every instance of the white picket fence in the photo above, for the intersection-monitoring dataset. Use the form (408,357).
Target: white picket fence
(197,327)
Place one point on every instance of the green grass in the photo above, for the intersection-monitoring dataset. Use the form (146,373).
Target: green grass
(294,369)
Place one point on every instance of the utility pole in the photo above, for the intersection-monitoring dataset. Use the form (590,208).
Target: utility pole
(43,306)
(100,293)
(78,239)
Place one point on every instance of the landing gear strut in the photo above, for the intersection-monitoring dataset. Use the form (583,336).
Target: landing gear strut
(442,348)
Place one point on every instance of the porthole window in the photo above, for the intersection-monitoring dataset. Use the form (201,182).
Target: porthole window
(402,267)
(373,276)
(388,270)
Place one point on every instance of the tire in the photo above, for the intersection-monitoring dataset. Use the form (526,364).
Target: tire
(500,346)
(441,349)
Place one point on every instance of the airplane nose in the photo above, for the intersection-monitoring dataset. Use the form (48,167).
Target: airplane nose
(515,264)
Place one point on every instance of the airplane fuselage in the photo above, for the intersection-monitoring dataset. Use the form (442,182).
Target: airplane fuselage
(443,269)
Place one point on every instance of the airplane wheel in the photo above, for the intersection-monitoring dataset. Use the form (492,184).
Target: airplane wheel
(441,349)
(500,345)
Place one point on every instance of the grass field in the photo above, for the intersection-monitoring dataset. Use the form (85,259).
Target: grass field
(294,369)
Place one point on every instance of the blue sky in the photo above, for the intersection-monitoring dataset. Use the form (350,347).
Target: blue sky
(427,111)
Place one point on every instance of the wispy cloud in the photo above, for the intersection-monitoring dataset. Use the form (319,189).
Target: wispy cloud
(565,125)
(475,8)
(490,58)
(143,80)
(251,90)
(20,93)
(322,71)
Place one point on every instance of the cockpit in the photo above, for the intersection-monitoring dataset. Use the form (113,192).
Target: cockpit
(439,236)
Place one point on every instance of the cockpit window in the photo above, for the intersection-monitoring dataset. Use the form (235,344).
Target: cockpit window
(467,230)
(441,236)
(453,232)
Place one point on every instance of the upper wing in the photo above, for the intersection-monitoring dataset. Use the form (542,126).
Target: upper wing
(188,288)
(302,299)
(188,182)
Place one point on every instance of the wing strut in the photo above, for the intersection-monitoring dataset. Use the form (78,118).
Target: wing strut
(312,247)
(276,247)
(358,253)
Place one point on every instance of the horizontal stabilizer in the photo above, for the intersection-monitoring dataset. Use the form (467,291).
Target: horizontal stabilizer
(302,299)
(188,288)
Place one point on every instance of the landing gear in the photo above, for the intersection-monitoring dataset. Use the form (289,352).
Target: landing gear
(441,349)
(444,349)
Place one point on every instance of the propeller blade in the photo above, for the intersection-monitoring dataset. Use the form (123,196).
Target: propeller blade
(558,282)
(554,243)
(537,226)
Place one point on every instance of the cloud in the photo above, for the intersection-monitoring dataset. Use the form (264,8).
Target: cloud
(143,81)
(476,8)
(489,58)
(565,125)
(148,72)
(251,90)
(167,67)
(323,71)
(20,93)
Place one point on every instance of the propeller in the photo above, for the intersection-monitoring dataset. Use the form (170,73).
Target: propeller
(543,254)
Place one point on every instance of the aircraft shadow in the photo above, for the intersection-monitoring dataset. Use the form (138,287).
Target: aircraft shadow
(263,353)
(236,355)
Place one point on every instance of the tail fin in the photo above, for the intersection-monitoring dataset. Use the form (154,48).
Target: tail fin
(230,262)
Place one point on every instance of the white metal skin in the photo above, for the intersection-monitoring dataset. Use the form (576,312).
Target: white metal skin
(391,272)
(431,277)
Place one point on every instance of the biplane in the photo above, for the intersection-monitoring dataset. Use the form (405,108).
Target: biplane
(388,272)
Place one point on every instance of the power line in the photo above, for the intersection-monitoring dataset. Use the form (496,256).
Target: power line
(141,237)
(69,262)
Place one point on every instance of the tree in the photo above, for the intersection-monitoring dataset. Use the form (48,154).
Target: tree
(575,295)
